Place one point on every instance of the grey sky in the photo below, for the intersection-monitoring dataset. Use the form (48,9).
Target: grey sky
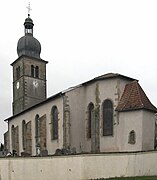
(82,39)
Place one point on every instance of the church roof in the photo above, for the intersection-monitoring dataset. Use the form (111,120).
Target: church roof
(108,76)
(112,75)
(134,98)
(99,78)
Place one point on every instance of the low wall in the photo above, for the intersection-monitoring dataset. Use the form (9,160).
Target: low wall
(79,166)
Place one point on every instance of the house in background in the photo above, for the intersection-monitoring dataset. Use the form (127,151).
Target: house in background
(110,113)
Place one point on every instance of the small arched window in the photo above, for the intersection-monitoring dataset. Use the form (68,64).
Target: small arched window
(54,123)
(18,72)
(107,118)
(132,137)
(24,134)
(32,71)
(90,116)
(37,71)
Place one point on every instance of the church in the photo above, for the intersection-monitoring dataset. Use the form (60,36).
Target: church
(110,113)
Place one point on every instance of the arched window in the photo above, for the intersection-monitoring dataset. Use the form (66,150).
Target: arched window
(132,137)
(54,123)
(18,72)
(90,113)
(32,71)
(24,134)
(37,128)
(107,118)
(13,137)
(37,71)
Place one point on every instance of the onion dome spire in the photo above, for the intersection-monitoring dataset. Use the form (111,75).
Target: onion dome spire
(28,45)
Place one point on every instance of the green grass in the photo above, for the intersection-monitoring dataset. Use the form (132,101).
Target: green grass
(131,178)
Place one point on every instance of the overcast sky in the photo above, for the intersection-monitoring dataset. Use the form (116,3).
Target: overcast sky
(82,39)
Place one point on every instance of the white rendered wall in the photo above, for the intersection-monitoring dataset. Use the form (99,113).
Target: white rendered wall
(148,131)
(79,167)
(79,99)
(52,145)
(128,121)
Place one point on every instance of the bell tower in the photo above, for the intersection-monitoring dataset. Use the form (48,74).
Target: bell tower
(29,71)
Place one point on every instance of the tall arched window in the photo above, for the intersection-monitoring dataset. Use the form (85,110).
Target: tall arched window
(107,118)
(54,123)
(90,112)
(37,128)
(37,71)
(24,134)
(32,71)
(13,137)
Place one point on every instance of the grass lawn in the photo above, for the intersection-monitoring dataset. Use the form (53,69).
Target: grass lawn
(132,178)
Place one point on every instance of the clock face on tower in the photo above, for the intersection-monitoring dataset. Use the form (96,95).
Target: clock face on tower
(17,85)
(35,83)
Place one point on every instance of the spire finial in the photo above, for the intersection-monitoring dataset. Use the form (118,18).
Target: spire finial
(29,9)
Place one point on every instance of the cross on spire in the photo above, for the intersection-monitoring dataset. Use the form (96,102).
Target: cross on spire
(29,9)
